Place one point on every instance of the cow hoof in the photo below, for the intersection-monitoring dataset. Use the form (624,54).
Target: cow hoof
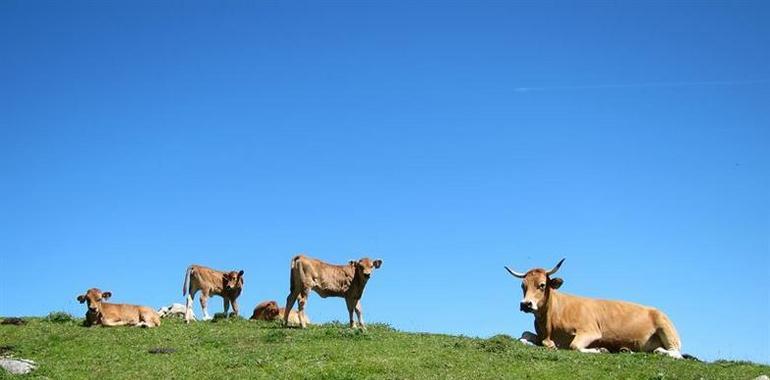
(604,350)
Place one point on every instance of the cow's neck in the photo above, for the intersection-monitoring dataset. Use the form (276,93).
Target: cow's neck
(544,314)
(357,284)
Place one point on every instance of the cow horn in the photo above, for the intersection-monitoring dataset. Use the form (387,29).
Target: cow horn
(556,268)
(515,274)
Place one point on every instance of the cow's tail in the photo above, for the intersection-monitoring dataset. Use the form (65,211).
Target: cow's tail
(187,275)
(296,266)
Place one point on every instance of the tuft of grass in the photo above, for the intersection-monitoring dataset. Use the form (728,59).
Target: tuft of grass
(275,336)
(6,349)
(222,317)
(237,348)
(60,317)
(13,321)
(162,350)
(498,343)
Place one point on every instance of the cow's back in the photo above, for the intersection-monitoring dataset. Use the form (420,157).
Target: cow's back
(206,278)
(621,324)
(128,314)
(326,279)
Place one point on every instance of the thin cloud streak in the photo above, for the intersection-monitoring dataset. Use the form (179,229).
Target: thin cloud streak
(643,85)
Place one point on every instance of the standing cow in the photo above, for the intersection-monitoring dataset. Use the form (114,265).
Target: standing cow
(346,281)
(115,314)
(210,282)
(591,325)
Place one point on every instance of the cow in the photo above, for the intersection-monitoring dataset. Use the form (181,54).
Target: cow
(174,310)
(591,325)
(111,314)
(328,280)
(269,311)
(210,282)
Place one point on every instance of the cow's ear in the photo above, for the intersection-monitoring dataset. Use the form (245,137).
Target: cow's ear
(555,283)
(106,295)
(240,274)
(81,298)
(377,263)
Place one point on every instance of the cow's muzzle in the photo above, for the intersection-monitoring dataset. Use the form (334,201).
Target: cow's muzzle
(526,306)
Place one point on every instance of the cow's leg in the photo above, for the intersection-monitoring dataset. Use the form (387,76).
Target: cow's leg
(113,322)
(188,313)
(204,301)
(360,315)
(351,304)
(529,338)
(234,302)
(289,305)
(674,353)
(584,339)
(667,335)
(301,301)
(226,305)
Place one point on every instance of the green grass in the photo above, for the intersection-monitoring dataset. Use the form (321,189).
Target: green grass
(238,348)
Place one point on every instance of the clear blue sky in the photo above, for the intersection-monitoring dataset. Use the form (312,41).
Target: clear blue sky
(632,138)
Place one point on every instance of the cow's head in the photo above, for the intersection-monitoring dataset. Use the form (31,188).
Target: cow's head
(536,286)
(267,311)
(94,298)
(164,310)
(365,266)
(232,280)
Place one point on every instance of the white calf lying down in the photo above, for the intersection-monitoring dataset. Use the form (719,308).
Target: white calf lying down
(174,310)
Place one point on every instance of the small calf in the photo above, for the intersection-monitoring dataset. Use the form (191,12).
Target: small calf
(175,310)
(269,311)
(111,314)
(211,282)
(328,280)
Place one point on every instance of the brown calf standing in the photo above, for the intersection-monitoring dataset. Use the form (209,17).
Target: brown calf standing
(327,280)
(111,314)
(210,282)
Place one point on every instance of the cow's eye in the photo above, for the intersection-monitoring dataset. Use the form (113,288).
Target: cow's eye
(541,286)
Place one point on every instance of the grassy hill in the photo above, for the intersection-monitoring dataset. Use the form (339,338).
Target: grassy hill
(238,349)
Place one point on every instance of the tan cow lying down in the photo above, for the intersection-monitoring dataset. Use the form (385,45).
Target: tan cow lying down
(111,314)
(346,281)
(210,282)
(592,325)
(269,311)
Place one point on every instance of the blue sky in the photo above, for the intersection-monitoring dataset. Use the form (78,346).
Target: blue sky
(447,139)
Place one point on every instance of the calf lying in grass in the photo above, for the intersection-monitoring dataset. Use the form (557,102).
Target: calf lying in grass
(269,311)
(110,314)
(175,310)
